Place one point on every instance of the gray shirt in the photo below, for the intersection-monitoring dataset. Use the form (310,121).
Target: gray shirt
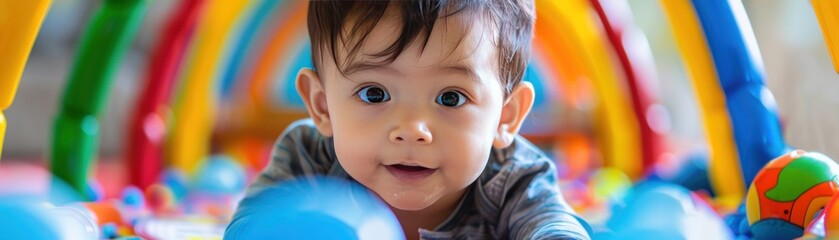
(516,196)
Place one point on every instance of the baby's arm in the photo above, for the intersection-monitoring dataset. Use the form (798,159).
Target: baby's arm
(535,209)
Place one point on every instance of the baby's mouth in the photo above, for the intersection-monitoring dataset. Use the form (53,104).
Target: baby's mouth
(408,172)
(409,168)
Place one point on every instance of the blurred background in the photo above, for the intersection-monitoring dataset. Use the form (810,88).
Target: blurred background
(204,140)
(797,63)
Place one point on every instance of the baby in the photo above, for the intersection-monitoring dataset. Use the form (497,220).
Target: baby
(421,102)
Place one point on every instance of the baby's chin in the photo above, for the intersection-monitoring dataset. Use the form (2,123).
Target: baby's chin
(409,200)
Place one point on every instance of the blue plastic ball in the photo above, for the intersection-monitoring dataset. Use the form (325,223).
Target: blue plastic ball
(176,181)
(314,208)
(133,197)
(220,175)
(666,211)
(109,230)
(25,221)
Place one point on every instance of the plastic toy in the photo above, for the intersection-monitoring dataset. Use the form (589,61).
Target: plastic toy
(826,224)
(831,218)
(266,49)
(738,111)
(690,38)
(161,200)
(272,47)
(196,102)
(827,12)
(690,171)
(738,223)
(273,61)
(24,218)
(105,213)
(21,221)
(216,187)
(76,127)
(247,38)
(609,185)
(617,128)
(76,222)
(289,37)
(633,51)
(177,181)
(665,211)
(573,154)
(19,27)
(751,106)
(220,175)
(144,145)
(314,208)
(789,192)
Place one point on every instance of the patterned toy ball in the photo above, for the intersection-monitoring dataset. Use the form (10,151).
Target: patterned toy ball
(788,193)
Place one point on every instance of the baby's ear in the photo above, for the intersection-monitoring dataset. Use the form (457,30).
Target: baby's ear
(311,91)
(513,113)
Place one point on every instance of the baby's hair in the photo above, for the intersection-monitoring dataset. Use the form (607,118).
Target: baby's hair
(513,19)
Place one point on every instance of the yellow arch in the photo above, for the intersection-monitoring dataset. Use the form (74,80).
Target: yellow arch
(618,133)
(18,28)
(828,13)
(194,109)
(724,162)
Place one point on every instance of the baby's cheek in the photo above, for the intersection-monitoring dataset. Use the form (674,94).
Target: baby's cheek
(352,155)
(469,165)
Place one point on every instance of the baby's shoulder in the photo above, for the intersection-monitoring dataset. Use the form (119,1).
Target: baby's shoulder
(304,127)
(302,133)
(520,156)
(517,168)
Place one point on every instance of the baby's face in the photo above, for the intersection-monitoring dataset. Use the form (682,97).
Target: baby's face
(420,129)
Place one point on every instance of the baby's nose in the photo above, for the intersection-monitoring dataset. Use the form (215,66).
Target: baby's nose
(411,133)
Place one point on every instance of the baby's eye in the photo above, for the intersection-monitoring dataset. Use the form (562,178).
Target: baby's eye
(451,99)
(373,94)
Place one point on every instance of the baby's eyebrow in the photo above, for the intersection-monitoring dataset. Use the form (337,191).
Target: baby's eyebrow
(360,66)
(443,68)
(457,68)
